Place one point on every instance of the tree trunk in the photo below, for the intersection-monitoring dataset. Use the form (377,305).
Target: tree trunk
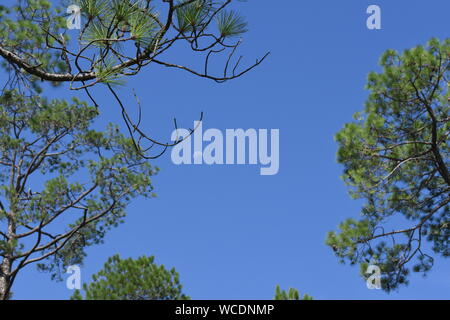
(6,265)
(5,271)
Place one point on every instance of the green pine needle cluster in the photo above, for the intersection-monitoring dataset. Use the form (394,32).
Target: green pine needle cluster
(292,294)
(231,24)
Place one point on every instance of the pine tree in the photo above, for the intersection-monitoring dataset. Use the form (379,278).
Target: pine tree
(396,157)
(133,279)
(63,185)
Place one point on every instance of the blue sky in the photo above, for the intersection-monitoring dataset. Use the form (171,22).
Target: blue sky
(230,232)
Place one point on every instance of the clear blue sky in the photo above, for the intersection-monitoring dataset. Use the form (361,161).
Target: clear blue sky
(231,233)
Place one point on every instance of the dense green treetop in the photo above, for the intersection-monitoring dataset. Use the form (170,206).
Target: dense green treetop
(396,157)
(133,279)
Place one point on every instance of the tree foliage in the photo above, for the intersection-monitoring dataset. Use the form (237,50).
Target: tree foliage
(118,38)
(133,279)
(63,185)
(396,158)
(90,176)
(292,294)
(130,33)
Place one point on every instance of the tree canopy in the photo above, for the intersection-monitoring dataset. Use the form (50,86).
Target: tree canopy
(62,184)
(133,279)
(396,157)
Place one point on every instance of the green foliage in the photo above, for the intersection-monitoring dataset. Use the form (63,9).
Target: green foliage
(292,294)
(92,8)
(70,185)
(193,15)
(142,28)
(231,24)
(198,14)
(133,279)
(106,72)
(396,157)
(38,46)
(31,17)
(109,22)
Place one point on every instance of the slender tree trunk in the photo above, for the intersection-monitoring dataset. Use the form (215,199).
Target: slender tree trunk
(5,271)
(8,256)
(7,263)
